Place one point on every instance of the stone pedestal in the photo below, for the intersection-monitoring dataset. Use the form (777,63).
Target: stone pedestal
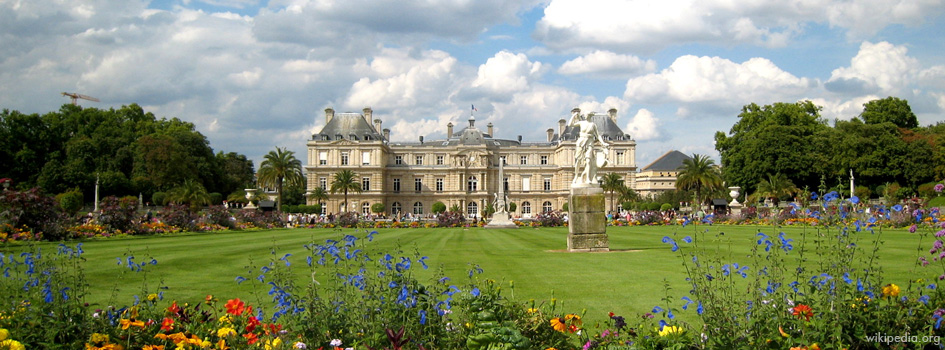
(501,220)
(587,222)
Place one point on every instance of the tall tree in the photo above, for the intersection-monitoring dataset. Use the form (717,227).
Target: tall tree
(278,168)
(700,175)
(775,187)
(613,183)
(889,110)
(318,195)
(345,181)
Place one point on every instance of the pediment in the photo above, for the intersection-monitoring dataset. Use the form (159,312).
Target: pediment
(343,142)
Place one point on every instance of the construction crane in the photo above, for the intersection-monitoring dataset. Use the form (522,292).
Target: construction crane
(75,97)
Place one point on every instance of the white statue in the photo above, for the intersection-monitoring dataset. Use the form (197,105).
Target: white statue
(587,156)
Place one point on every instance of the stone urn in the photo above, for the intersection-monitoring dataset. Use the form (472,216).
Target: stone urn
(250,193)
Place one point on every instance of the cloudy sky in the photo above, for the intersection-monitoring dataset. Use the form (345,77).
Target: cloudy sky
(256,74)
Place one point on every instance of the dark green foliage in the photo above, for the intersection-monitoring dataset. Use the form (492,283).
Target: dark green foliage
(118,213)
(565,207)
(666,206)
(889,110)
(438,207)
(159,198)
(70,201)
(512,207)
(377,208)
(216,198)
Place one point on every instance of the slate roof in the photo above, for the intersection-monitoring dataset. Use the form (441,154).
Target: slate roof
(671,161)
(348,126)
(606,127)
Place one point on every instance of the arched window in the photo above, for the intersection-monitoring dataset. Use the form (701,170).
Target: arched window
(472,184)
(395,208)
(418,208)
(472,209)
(526,208)
(365,208)
(546,206)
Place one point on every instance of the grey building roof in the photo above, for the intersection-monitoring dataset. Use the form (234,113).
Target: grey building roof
(670,161)
(606,127)
(348,126)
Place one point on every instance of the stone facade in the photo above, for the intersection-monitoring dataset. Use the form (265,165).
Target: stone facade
(461,170)
(660,175)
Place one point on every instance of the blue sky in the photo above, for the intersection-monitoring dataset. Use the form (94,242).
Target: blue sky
(255,74)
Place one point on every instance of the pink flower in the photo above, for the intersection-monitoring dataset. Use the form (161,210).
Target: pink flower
(912,228)
(939,187)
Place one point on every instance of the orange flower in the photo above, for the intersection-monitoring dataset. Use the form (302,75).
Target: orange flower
(167,324)
(132,322)
(558,325)
(251,338)
(173,308)
(153,347)
(803,311)
(235,306)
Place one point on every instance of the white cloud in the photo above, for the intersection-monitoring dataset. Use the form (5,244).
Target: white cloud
(717,81)
(644,25)
(608,64)
(404,80)
(878,68)
(507,73)
(644,126)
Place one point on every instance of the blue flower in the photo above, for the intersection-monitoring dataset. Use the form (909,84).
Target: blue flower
(421,261)
(688,301)
(657,309)
(699,309)
(854,199)
(475,292)
(687,239)
(814,196)
(897,207)
(924,299)
(423,316)
(240,279)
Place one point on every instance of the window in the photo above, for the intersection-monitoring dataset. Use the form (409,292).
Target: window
(417,208)
(619,159)
(526,183)
(472,209)
(505,184)
(395,208)
(324,208)
(546,207)
(365,208)
(523,160)
(419,160)
(547,184)
(322,158)
(365,184)
(439,185)
(439,160)
(472,184)
(344,158)
(365,158)
(526,208)
(502,159)
(544,160)
(418,184)
(396,185)
(398,160)
(323,183)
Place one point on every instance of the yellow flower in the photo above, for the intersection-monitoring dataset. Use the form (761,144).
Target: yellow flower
(532,310)
(11,345)
(152,297)
(890,290)
(225,332)
(4,334)
(558,325)
(226,319)
(153,347)
(668,330)
(99,338)
(273,344)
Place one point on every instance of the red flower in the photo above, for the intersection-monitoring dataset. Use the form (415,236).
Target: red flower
(167,324)
(252,324)
(174,309)
(251,338)
(803,311)
(235,307)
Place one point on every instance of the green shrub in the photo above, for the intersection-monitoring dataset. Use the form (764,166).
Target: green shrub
(70,201)
(377,208)
(216,198)
(565,207)
(666,206)
(438,207)
(159,198)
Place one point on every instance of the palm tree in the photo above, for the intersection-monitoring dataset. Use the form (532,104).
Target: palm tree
(344,181)
(279,168)
(612,182)
(775,187)
(318,195)
(699,174)
(191,193)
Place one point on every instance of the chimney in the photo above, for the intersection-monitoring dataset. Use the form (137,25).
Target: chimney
(421,139)
(613,114)
(329,113)
(519,138)
(489,128)
(377,124)
(551,134)
(449,129)
(561,126)
(387,134)
(367,114)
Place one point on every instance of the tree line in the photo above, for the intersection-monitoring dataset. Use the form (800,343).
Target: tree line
(129,151)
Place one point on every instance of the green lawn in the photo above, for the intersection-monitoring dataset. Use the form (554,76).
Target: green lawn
(629,280)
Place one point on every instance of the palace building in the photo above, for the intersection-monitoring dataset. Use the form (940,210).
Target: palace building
(461,170)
